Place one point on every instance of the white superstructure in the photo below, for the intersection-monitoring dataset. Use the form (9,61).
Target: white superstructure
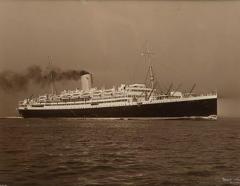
(123,95)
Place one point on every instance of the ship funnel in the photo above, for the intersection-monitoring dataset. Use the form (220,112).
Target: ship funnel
(86,82)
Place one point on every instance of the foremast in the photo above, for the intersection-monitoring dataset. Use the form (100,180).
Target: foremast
(147,54)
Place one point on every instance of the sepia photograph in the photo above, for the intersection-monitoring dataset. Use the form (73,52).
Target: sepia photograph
(119,92)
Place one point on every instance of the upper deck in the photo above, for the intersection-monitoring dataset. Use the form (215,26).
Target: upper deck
(122,95)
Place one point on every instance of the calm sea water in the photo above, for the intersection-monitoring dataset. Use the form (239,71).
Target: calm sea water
(119,152)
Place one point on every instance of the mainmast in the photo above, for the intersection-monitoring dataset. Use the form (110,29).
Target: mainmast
(147,54)
(51,75)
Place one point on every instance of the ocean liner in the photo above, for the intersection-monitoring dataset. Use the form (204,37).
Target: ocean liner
(125,101)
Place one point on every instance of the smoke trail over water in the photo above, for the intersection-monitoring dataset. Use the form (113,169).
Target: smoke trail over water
(13,81)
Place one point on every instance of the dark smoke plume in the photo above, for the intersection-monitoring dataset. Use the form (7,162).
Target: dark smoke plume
(10,81)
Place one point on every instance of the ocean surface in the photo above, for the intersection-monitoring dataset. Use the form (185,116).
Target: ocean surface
(73,152)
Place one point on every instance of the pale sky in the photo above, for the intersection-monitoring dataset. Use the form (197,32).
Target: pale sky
(193,41)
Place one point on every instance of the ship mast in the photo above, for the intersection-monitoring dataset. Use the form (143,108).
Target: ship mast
(51,75)
(147,54)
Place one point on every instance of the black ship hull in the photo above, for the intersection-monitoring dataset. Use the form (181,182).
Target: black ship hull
(194,108)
